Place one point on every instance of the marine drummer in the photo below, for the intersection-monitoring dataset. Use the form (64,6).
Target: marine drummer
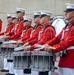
(64,43)
(8,31)
(34,34)
(24,36)
(20,12)
(47,33)
(37,28)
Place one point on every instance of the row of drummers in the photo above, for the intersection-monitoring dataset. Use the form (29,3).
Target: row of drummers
(19,32)
(20,29)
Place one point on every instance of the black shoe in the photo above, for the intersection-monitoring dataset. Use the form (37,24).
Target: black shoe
(27,71)
(55,68)
(3,70)
(9,74)
(43,73)
(9,60)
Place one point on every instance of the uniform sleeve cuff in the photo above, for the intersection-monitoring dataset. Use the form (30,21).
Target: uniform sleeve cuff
(32,47)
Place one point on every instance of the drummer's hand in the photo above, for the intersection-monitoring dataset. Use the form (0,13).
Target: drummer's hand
(45,46)
(49,48)
(19,42)
(5,37)
(27,48)
(26,44)
(6,34)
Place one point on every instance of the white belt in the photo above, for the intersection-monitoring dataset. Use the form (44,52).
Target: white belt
(71,47)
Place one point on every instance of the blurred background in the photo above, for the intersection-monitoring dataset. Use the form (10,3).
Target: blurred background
(9,6)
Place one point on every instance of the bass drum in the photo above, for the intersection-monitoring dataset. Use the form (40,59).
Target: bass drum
(58,25)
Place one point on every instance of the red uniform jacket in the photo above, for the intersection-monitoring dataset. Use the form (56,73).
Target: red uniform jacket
(9,29)
(47,33)
(34,35)
(20,27)
(0,25)
(68,41)
(26,33)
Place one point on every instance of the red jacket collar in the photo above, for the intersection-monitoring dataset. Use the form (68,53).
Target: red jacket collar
(46,24)
(37,25)
(10,24)
(70,22)
(21,19)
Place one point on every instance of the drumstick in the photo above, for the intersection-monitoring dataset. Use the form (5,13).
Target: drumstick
(41,47)
(11,41)
(19,48)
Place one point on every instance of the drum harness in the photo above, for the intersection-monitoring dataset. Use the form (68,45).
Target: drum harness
(64,53)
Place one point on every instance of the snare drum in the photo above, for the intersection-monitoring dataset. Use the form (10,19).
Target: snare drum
(4,51)
(22,59)
(1,41)
(41,61)
(7,50)
(10,49)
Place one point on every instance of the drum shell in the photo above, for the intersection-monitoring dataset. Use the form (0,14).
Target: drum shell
(4,51)
(7,50)
(22,59)
(41,61)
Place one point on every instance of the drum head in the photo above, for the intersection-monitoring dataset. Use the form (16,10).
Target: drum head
(58,24)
